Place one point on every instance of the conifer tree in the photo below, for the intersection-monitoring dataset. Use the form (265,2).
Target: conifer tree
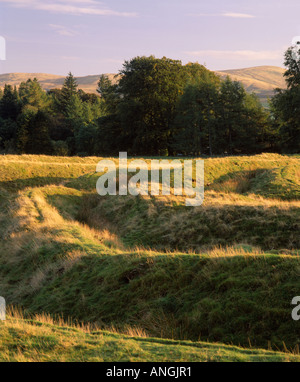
(9,104)
(68,92)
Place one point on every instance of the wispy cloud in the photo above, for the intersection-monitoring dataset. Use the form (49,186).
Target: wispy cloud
(74,7)
(237,54)
(238,15)
(226,14)
(62,30)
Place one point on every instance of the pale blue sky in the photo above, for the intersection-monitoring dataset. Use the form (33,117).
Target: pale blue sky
(92,37)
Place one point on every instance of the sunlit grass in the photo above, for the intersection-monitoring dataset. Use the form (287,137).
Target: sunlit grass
(44,339)
(149,266)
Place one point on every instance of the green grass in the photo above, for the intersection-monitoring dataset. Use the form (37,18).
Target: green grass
(55,265)
(224,272)
(37,341)
(222,220)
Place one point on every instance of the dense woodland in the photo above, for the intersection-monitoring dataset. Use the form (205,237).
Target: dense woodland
(157,107)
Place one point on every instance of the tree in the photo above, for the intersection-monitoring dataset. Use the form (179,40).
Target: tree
(74,108)
(188,135)
(68,93)
(215,117)
(149,89)
(38,139)
(9,104)
(24,123)
(285,104)
(232,97)
(33,96)
(110,137)
(85,139)
(60,148)
(196,120)
(109,95)
(292,63)
(8,130)
(254,135)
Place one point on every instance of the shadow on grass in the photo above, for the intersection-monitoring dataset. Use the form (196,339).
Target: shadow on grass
(240,300)
(151,224)
(20,184)
(269,183)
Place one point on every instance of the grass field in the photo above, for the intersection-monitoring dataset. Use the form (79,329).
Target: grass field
(42,340)
(224,272)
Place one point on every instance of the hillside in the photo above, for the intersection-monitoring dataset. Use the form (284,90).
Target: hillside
(51,81)
(224,272)
(261,80)
(43,340)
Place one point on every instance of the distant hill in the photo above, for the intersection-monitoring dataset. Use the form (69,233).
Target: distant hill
(261,80)
(51,81)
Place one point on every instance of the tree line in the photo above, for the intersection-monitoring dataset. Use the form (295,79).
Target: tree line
(156,107)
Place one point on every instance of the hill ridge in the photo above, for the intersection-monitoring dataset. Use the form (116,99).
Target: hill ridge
(261,80)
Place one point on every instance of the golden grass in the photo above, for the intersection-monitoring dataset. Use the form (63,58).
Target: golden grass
(44,339)
(49,233)
(21,317)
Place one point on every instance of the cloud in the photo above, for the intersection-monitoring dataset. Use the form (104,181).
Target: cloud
(62,30)
(74,7)
(238,15)
(237,54)
(226,14)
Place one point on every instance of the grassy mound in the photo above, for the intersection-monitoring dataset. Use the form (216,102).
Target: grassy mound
(222,220)
(248,200)
(42,340)
(67,251)
(56,265)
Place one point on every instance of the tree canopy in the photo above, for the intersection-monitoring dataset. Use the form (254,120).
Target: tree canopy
(285,104)
(153,107)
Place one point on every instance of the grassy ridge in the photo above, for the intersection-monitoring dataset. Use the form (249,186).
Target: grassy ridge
(19,172)
(262,79)
(56,265)
(67,251)
(221,221)
(248,200)
(41,340)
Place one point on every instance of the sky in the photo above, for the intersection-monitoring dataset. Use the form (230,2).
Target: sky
(92,37)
